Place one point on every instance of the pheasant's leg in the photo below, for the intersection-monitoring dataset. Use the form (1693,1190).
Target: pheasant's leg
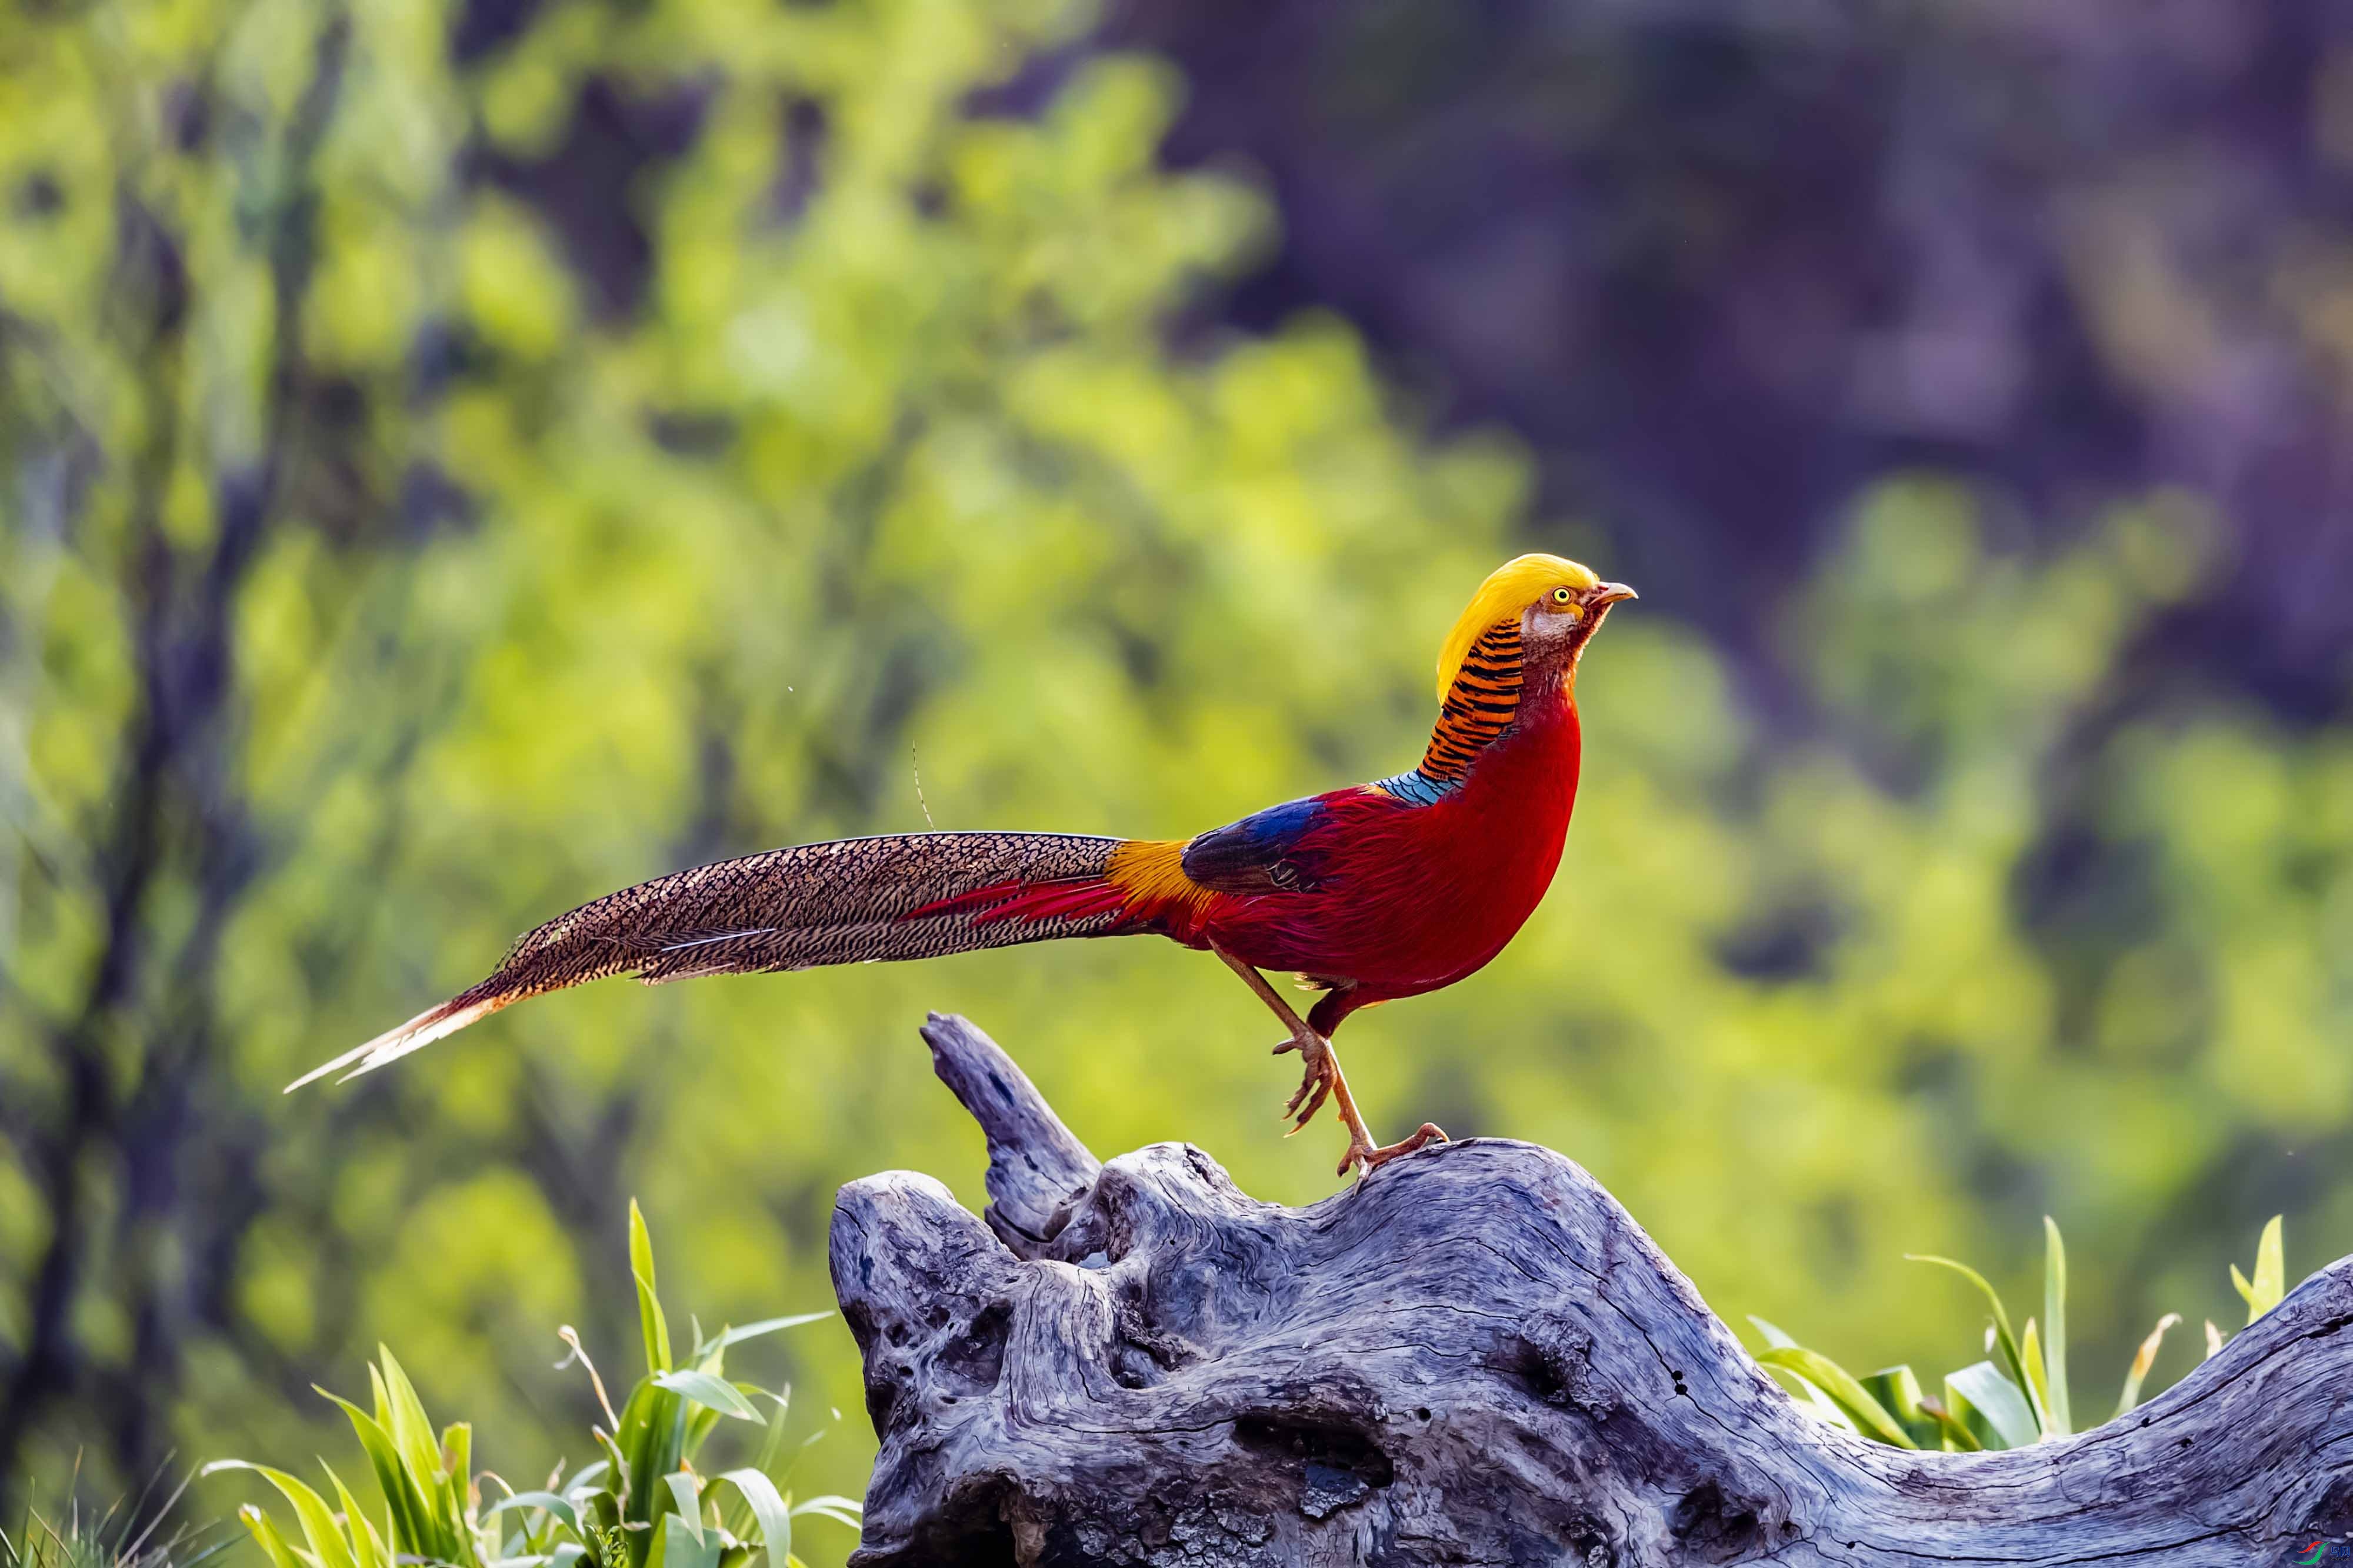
(1323,1077)
(1323,1066)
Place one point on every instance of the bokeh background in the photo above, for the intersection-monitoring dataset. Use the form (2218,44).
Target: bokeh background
(459,456)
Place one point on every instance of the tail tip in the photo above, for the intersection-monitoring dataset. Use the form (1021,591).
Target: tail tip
(433,1024)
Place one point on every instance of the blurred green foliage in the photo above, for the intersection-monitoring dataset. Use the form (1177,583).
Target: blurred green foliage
(369,595)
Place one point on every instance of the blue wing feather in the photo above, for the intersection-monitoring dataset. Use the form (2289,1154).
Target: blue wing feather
(1258,854)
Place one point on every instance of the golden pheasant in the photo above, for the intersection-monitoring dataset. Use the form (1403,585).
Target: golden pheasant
(1368,893)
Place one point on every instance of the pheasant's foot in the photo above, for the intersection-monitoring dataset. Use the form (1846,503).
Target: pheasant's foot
(1362,1151)
(1322,1069)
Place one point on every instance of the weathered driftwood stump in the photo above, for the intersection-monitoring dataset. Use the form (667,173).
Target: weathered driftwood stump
(1473,1357)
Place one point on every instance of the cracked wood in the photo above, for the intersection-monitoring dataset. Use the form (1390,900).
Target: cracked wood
(1473,1357)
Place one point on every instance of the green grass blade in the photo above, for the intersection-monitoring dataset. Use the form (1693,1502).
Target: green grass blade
(2029,1352)
(1952,1432)
(406,1517)
(701,1421)
(367,1547)
(769,1509)
(651,1323)
(754,1331)
(2269,1284)
(2012,1358)
(2055,1329)
(326,1541)
(687,1493)
(561,1506)
(652,1440)
(412,1430)
(2144,1359)
(1822,1404)
(1869,1415)
(440,1493)
(773,1442)
(678,1545)
(456,1450)
(839,1508)
(273,1545)
(457,1470)
(714,1392)
(1897,1389)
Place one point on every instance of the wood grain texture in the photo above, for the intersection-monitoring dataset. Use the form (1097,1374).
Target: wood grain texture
(1473,1357)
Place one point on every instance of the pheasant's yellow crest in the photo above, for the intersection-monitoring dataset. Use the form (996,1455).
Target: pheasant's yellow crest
(1508,590)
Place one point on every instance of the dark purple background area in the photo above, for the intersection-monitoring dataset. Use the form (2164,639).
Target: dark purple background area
(1720,265)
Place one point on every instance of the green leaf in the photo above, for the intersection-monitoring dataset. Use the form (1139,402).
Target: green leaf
(2269,1283)
(2145,1358)
(1821,1403)
(2055,1329)
(1897,1389)
(368,1548)
(716,1393)
(775,1519)
(678,1545)
(1869,1415)
(754,1331)
(649,1313)
(2015,1361)
(561,1506)
(1970,1420)
(652,1440)
(457,1451)
(2029,1352)
(1992,1394)
(407,1520)
(318,1529)
(688,1492)
(1952,1432)
(412,1431)
(437,1492)
(773,1442)
(273,1545)
(839,1508)
(701,1421)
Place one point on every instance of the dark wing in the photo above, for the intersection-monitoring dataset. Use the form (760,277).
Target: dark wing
(1260,854)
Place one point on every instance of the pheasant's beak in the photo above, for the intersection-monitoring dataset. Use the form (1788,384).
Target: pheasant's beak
(1612,593)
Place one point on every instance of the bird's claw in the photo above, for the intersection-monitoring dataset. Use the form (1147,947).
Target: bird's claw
(1364,1154)
(1315,1084)
(1319,1082)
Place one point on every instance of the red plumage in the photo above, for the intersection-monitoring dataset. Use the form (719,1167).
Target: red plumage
(1411,897)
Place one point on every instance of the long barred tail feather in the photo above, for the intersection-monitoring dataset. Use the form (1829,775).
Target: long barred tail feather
(433,1024)
(914,895)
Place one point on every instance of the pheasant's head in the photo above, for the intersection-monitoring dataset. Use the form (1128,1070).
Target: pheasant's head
(1556,603)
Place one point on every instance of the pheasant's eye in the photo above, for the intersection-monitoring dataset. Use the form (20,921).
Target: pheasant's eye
(1562,596)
